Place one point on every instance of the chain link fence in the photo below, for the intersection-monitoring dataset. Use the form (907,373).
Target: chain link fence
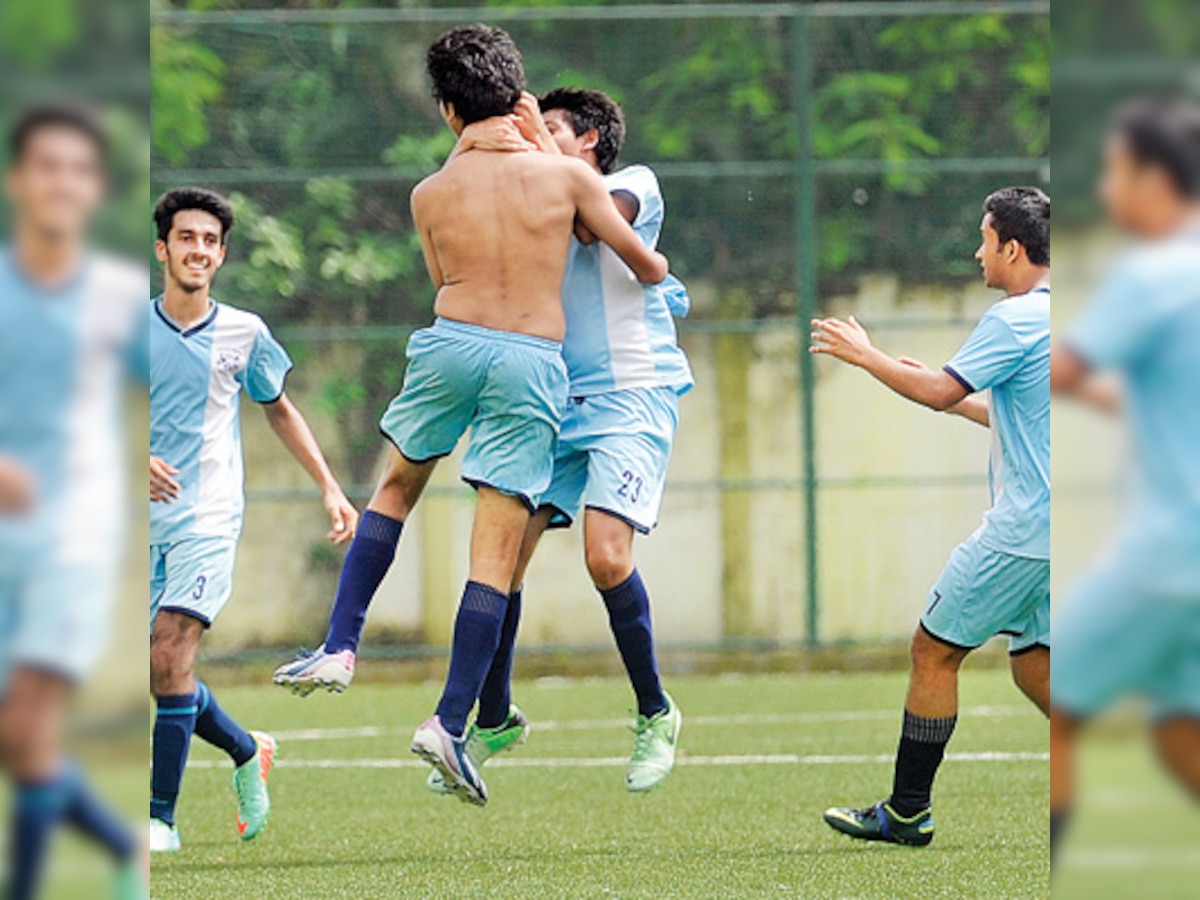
(814,157)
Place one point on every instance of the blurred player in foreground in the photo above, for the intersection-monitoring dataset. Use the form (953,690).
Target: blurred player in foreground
(71,329)
(203,356)
(627,374)
(495,228)
(998,580)
(1133,623)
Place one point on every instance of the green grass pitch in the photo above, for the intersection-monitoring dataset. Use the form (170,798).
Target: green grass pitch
(761,758)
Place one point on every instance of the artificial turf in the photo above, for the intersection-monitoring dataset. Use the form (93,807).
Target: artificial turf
(351,816)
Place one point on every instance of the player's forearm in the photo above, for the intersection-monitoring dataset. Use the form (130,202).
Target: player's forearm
(293,430)
(973,408)
(924,386)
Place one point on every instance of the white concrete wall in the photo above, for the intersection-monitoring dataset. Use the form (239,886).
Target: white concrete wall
(880,548)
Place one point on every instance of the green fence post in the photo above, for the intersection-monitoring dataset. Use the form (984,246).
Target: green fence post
(806,295)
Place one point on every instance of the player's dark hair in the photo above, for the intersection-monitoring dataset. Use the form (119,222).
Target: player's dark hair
(180,199)
(1022,214)
(1163,133)
(478,70)
(75,117)
(586,110)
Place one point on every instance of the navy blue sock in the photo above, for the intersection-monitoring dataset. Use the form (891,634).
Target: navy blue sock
(922,748)
(476,637)
(91,816)
(370,555)
(628,607)
(496,695)
(173,727)
(38,809)
(214,725)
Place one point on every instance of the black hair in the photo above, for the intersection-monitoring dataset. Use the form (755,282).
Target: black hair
(1163,133)
(478,70)
(586,110)
(1022,214)
(75,117)
(180,199)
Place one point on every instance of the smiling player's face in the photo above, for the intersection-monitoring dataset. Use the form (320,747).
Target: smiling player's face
(193,251)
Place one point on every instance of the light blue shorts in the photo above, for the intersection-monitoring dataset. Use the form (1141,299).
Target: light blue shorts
(612,456)
(1121,634)
(984,592)
(193,576)
(508,389)
(56,615)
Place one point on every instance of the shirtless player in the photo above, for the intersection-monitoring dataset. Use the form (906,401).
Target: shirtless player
(495,228)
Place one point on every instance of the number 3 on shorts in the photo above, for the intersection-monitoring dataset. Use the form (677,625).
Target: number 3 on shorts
(201,581)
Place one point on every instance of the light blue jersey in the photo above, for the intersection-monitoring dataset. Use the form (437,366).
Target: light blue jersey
(621,334)
(66,354)
(1145,322)
(196,379)
(1138,609)
(1008,354)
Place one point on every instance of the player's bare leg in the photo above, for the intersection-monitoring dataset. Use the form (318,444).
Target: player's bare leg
(930,714)
(186,707)
(332,664)
(500,523)
(173,644)
(1031,673)
(1178,743)
(608,548)
(48,790)
(500,724)
(1064,736)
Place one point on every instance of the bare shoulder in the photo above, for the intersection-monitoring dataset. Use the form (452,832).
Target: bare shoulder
(572,171)
(425,191)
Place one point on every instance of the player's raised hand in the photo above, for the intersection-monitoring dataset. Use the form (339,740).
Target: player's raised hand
(843,339)
(499,134)
(163,487)
(343,517)
(528,117)
(17,492)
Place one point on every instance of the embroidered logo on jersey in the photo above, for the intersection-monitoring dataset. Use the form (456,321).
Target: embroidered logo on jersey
(230,361)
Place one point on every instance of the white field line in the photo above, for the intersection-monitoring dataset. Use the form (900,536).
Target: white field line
(613,762)
(1127,858)
(372,731)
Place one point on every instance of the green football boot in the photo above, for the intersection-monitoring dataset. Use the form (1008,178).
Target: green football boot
(250,783)
(484,743)
(881,823)
(130,882)
(654,744)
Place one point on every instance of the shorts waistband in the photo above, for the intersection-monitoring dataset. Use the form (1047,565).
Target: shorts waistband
(494,334)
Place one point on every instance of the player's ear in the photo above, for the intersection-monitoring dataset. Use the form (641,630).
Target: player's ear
(590,139)
(221,255)
(160,251)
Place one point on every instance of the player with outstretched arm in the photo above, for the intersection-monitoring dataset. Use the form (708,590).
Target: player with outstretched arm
(998,580)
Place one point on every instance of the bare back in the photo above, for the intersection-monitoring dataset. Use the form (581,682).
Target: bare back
(496,229)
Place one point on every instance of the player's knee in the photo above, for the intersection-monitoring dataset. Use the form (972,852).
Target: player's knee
(609,563)
(170,665)
(928,653)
